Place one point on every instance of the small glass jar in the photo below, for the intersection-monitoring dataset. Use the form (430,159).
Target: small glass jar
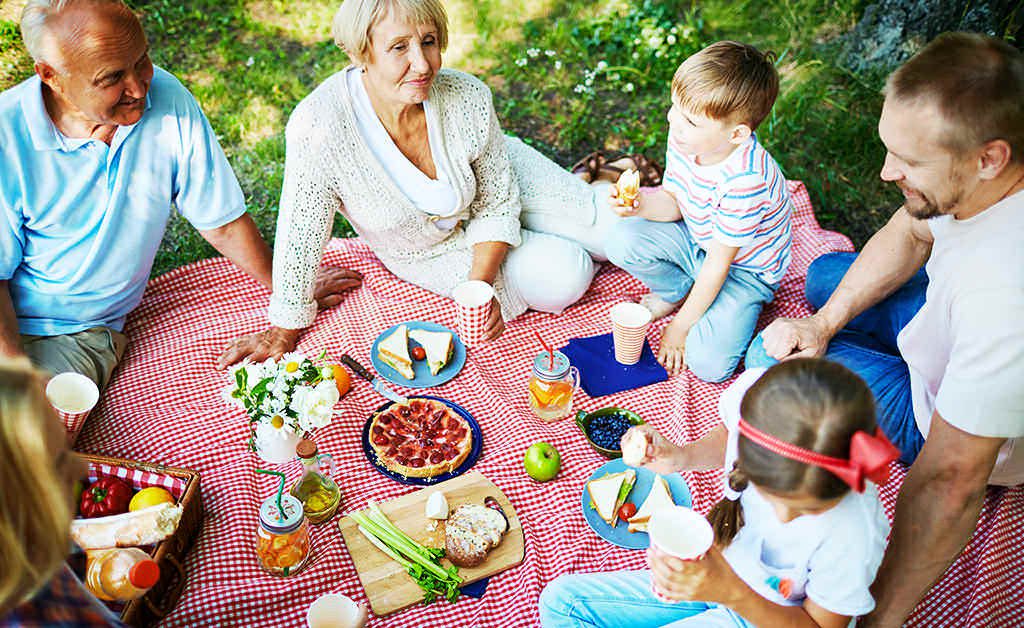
(318,492)
(282,544)
(552,385)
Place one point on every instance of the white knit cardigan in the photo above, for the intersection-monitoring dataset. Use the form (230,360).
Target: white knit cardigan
(329,168)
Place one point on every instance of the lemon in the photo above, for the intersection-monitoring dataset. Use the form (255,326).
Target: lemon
(150,496)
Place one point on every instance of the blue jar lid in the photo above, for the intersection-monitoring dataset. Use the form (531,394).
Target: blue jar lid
(270,516)
(545,368)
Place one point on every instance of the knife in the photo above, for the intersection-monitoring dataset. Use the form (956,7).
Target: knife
(375,382)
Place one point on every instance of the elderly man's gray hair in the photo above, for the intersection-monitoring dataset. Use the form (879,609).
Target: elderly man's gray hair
(36,18)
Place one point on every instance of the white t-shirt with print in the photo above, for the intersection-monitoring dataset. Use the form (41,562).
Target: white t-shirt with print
(831,557)
(965,346)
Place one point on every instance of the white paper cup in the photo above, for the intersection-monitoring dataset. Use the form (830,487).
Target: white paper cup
(335,610)
(680,532)
(473,302)
(629,331)
(73,396)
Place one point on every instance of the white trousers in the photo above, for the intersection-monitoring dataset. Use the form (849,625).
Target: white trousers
(566,223)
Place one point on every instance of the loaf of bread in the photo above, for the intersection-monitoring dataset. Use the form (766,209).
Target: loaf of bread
(141,527)
(471,532)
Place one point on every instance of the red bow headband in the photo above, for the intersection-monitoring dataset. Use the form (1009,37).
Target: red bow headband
(869,455)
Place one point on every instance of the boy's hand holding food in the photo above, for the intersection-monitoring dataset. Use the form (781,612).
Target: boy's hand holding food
(624,196)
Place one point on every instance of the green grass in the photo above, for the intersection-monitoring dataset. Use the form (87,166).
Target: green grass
(568,77)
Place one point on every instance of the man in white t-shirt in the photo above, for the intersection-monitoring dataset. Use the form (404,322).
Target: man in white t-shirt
(943,350)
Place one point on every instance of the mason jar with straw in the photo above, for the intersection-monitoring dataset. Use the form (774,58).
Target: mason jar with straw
(282,539)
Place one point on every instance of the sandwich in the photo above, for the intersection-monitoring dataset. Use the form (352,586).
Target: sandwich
(438,345)
(609,492)
(394,351)
(659,498)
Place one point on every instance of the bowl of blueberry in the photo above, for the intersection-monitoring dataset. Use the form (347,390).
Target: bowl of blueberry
(604,428)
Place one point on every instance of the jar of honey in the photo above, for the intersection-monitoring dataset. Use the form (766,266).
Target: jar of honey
(282,539)
(552,384)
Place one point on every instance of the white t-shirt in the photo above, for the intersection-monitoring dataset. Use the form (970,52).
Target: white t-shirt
(432,196)
(831,557)
(965,346)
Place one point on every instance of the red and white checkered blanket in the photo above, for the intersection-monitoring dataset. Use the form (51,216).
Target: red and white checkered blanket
(165,406)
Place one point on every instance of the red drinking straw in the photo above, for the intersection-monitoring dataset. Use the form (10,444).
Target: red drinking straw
(551,354)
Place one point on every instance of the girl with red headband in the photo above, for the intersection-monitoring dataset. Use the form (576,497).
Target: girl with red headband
(800,532)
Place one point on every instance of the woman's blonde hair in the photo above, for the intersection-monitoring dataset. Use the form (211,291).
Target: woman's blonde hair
(35,497)
(356,18)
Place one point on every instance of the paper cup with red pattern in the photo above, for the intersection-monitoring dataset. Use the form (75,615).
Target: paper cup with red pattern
(630,322)
(73,396)
(679,532)
(473,301)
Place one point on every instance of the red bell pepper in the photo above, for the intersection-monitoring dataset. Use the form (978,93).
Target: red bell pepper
(106,496)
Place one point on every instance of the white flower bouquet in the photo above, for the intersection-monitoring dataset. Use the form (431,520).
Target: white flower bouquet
(284,398)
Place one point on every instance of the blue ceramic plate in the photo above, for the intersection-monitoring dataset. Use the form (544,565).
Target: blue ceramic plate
(423,377)
(620,535)
(467,464)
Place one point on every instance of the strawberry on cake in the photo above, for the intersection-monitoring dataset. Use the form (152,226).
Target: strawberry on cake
(422,439)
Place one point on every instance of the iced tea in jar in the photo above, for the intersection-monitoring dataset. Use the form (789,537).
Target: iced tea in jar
(282,539)
(551,386)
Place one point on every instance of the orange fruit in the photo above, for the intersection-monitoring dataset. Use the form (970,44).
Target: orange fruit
(150,496)
(341,379)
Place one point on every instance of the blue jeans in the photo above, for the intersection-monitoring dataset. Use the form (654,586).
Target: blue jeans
(867,346)
(666,259)
(624,599)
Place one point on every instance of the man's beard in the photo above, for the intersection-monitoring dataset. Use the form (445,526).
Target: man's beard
(924,208)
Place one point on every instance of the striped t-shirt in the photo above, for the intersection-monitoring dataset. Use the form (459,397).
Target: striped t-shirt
(741,202)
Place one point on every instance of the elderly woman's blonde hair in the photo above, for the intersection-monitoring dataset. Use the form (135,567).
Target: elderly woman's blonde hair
(356,18)
(35,497)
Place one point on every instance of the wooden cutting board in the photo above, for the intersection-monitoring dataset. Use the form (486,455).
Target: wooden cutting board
(386,583)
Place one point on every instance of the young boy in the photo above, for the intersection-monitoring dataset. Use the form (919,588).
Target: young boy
(714,241)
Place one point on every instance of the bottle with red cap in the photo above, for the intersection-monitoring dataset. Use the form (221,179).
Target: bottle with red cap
(120,574)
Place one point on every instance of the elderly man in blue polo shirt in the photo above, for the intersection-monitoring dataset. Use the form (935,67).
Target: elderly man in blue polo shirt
(96,147)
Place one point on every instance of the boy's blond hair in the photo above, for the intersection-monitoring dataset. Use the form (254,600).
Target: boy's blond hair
(35,497)
(728,81)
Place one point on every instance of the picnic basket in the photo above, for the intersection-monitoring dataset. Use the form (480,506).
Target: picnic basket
(169,553)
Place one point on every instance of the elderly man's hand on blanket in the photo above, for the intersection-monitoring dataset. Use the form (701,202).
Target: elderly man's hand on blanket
(708,579)
(270,343)
(789,338)
(331,282)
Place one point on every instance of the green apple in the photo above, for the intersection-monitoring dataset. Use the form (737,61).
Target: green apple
(542,461)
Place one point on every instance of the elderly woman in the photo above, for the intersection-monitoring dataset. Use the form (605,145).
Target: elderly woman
(37,477)
(414,157)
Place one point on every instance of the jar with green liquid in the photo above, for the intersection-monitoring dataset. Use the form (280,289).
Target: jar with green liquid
(318,492)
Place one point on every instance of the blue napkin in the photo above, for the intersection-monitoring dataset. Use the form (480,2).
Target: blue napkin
(476,589)
(601,374)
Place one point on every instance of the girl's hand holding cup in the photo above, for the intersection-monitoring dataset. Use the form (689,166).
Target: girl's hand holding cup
(708,579)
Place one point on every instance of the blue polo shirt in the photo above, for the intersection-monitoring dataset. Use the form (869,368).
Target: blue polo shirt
(81,221)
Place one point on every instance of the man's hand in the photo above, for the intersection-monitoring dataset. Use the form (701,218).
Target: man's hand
(331,282)
(709,579)
(495,324)
(789,338)
(270,343)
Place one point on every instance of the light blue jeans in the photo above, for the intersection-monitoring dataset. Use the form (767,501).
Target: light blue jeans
(624,599)
(666,259)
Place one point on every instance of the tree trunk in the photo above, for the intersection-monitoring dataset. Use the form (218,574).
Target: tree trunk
(890,31)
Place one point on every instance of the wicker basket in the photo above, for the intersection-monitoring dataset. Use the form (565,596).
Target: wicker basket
(169,553)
